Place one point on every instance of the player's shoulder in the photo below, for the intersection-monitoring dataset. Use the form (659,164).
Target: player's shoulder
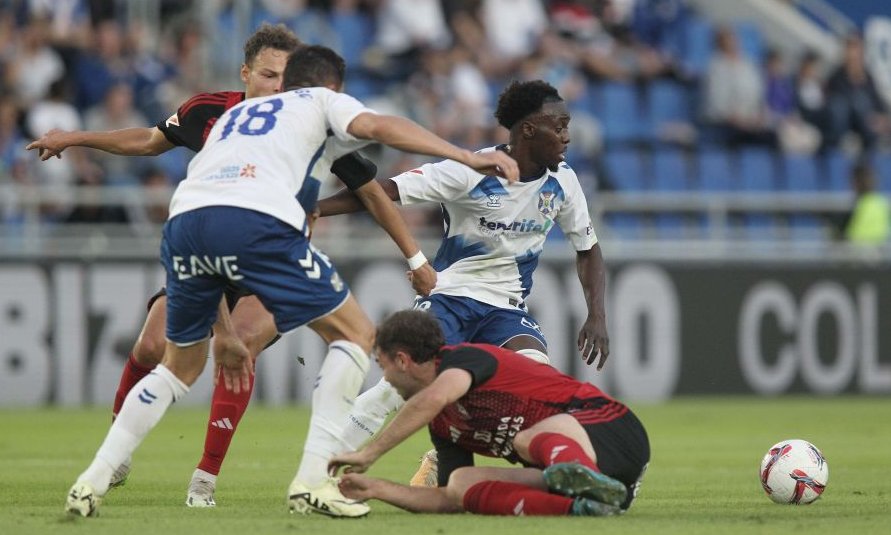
(219,100)
(565,172)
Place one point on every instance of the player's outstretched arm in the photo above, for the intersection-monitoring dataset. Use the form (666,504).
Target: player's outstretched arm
(417,412)
(406,135)
(127,142)
(381,207)
(345,201)
(413,499)
(593,341)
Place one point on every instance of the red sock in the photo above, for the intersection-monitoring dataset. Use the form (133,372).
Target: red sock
(504,498)
(226,410)
(132,374)
(552,448)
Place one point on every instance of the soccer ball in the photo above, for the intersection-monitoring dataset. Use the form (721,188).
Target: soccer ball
(794,472)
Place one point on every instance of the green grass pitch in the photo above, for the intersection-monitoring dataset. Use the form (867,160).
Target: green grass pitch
(703,477)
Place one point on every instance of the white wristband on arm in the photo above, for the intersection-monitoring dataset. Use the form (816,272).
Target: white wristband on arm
(416,261)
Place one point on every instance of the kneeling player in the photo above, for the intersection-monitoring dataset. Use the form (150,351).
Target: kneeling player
(589,451)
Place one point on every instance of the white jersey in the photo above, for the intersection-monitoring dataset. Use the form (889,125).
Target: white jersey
(268,154)
(494,230)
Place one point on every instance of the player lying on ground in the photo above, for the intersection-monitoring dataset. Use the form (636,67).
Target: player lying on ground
(495,232)
(486,400)
(253,328)
(258,159)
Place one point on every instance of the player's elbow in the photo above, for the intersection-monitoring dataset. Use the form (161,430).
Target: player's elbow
(367,126)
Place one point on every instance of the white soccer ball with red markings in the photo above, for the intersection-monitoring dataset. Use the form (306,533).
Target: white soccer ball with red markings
(794,472)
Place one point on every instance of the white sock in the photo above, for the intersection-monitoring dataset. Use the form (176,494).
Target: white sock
(535,355)
(142,410)
(369,413)
(337,386)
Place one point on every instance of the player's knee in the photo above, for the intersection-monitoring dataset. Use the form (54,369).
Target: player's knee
(363,335)
(522,440)
(149,350)
(536,355)
(459,482)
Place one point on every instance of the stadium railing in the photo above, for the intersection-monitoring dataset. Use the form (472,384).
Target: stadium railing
(714,225)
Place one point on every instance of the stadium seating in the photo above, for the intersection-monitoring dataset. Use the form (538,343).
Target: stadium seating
(620,113)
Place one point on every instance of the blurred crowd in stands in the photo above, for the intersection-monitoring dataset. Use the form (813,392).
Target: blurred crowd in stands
(662,98)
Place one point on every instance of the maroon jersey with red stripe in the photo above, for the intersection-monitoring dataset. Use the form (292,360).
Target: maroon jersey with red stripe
(191,123)
(510,393)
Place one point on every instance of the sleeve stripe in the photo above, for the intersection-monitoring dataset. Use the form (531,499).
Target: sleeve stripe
(202,99)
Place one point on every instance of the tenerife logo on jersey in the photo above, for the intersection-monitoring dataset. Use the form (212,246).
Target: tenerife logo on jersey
(522,226)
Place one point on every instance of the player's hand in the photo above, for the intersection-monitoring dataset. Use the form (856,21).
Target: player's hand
(495,162)
(233,361)
(423,279)
(50,144)
(357,486)
(355,462)
(594,341)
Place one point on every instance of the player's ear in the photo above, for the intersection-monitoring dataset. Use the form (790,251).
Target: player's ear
(528,130)
(245,73)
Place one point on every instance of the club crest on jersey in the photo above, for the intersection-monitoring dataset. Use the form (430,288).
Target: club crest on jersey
(173,120)
(547,203)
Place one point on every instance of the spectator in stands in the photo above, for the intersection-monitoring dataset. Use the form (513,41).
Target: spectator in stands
(404,29)
(34,64)
(735,96)
(869,223)
(810,92)
(100,67)
(116,112)
(780,92)
(512,29)
(607,46)
(12,142)
(794,134)
(854,104)
(57,175)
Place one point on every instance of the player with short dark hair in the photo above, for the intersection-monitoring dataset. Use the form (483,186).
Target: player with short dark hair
(265,55)
(259,172)
(590,450)
(494,235)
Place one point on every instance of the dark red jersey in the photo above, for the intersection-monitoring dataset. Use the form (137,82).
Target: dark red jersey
(510,393)
(191,123)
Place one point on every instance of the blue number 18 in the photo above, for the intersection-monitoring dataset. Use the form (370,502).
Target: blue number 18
(264,111)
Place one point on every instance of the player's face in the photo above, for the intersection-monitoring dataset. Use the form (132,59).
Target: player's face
(395,374)
(265,74)
(551,139)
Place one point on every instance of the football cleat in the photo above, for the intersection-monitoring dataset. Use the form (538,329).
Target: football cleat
(428,473)
(82,500)
(119,477)
(586,507)
(578,481)
(200,492)
(326,499)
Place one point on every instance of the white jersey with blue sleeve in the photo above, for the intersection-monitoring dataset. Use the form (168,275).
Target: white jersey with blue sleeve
(495,231)
(269,154)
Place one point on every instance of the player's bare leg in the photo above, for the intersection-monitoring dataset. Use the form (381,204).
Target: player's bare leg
(350,335)
(561,445)
(252,329)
